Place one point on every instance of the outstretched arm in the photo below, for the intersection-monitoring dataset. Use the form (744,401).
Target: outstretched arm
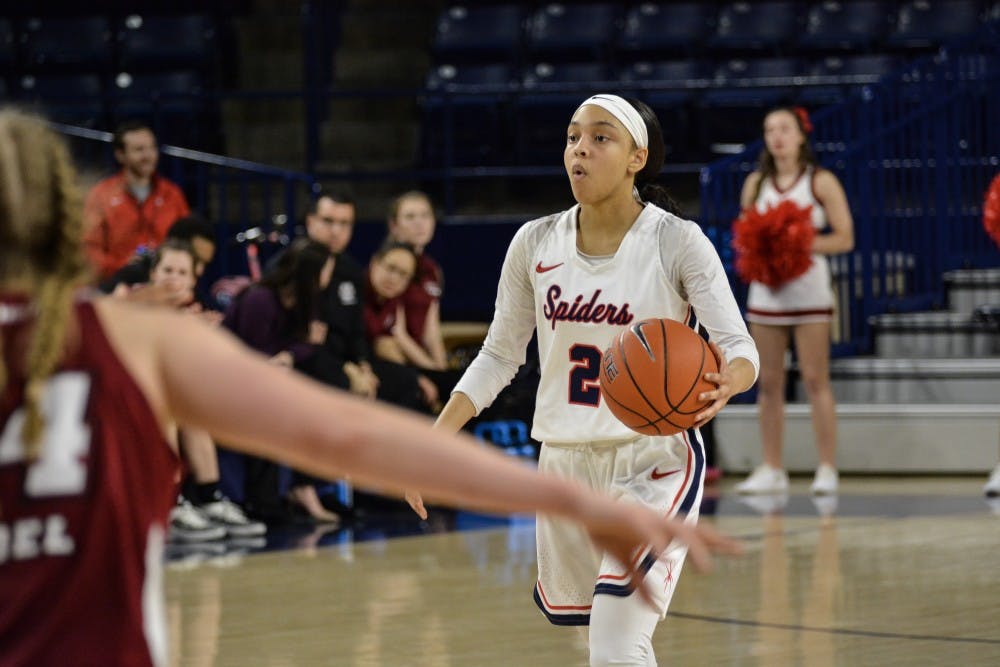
(211,381)
(205,378)
(455,414)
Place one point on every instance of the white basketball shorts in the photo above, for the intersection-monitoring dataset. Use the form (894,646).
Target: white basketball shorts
(664,473)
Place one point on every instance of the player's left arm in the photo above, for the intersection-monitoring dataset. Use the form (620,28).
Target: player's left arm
(706,287)
(831,195)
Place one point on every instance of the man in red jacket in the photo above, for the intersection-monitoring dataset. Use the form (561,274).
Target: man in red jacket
(133,208)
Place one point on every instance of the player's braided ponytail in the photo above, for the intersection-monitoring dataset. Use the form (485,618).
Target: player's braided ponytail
(3,367)
(11,193)
(41,229)
(645,180)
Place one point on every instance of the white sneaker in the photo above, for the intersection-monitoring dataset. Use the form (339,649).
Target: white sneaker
(992,488)
(224,512)
(826,480)
(188,524)
(764,479)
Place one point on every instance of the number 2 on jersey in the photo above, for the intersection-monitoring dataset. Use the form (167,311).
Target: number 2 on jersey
(583,377)
(59,470)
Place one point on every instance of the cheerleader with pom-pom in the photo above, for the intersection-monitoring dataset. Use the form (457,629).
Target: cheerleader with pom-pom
(794,215)
(991,223)
(991,210)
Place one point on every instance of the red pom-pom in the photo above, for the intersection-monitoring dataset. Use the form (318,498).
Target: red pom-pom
(804,120)
(775,246)
(991,210)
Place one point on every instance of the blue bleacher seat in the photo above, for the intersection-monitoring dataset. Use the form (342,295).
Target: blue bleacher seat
(669,88)
(759,82)
(863,69)
(151,93)
(926,23)
(475,33)
(669,81)
(67,42)
(547,85)
(565,32)
(667,73)
(477,120)
(72,98)
(551,93)
(731,112)
(165,41)
(541,74)
(656,28)
(760,25)
(171,102)
(821,95)
(855,71)
(492,75)
(7,46)
(851,25)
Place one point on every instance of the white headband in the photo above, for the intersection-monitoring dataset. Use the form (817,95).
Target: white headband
(626,115)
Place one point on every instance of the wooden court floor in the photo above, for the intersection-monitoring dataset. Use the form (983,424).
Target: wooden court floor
(903,572)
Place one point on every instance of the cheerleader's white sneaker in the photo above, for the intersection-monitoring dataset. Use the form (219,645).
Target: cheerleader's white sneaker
(992,488)
(764,480)
(826,481)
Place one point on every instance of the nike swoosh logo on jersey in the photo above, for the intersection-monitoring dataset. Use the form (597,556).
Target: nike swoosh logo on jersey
(656,474)
(543,269)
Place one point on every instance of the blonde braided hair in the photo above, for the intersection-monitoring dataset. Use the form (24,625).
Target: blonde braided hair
(41,237)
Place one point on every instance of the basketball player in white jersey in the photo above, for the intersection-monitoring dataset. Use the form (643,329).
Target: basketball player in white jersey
(90,387)
(800,309)
(578,277)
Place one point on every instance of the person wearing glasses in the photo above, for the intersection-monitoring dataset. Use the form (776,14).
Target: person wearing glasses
(390,274)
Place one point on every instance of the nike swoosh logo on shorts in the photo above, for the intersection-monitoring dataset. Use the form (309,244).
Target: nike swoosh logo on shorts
(656,474)
(543,269)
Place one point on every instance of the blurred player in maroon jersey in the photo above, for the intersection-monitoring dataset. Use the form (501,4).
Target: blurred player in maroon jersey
(88,389)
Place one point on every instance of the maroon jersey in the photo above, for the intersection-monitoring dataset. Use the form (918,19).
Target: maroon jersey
(82,526)
(427,286)
(379,316)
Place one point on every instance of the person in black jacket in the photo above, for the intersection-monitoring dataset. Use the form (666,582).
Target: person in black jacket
(347,361)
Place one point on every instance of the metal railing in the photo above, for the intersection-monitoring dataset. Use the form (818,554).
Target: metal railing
(914,150)
(915,153)
(233,194)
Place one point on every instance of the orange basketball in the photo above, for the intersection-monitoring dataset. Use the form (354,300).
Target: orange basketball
(652,374)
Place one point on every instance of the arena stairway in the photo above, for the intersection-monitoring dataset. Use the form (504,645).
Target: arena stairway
(927,401)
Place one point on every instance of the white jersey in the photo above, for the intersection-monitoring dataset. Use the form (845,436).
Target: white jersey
(809,297)
(664,267)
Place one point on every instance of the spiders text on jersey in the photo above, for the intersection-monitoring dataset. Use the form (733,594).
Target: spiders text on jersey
(581,309)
